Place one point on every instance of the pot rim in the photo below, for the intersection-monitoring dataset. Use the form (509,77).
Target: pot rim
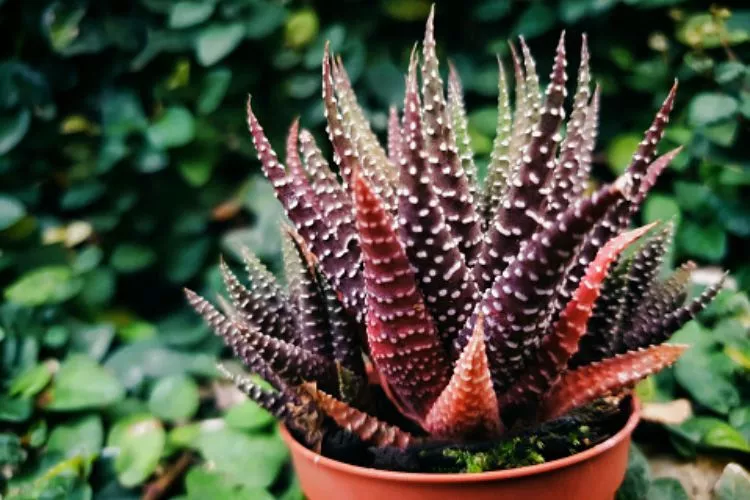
(428,477)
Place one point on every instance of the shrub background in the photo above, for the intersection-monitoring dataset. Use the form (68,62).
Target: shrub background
(126,168)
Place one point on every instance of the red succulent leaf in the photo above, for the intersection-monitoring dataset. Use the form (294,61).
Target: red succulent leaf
(404,343)
(468,405)
(562,342)
(588,383)
(515,306)
(367,427)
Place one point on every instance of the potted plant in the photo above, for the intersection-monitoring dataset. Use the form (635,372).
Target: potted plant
(439,337)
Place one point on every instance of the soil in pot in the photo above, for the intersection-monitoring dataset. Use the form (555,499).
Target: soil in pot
(554,440)
(593,474)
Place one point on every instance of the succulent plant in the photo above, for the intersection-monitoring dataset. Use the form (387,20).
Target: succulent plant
(463,304)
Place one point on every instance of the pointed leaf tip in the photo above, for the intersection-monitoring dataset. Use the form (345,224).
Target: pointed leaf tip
(587,384)
(468,407)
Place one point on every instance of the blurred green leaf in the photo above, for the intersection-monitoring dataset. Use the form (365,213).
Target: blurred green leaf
(139,440)
(61,23)
(621,150)
(174,398)
(189,13)
(490,10)
(131,257)
(13,128)
(82,436)
(695,374)
(11,211)
(201,484)
(31,381)
(215,85)
(708,32)
(253,462)
(265,18)
(248,416)
(637,478)
(407,10)
(81,383)
(710,107)
(661,208)
(46,285)
(132,363)
(714,433)
(216,41)
(174,128)
(15,409)
(705,241)
(301,28)
(537,19)
(666,488)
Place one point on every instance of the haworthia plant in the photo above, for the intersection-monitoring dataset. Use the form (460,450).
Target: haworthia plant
(462,302)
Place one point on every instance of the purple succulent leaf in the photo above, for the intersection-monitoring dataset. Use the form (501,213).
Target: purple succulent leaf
(347,336)
(562,191)
(516,304)
(451,182)
(299,268)
(646,151)
(663,298)
(373,159)
(275,402)
(520,125)
(444,279)
(335,204)
(264,305)
(519,216)
(339,257)
(290,362)
(588,143)
(533,90)
(644,270)
(656,333)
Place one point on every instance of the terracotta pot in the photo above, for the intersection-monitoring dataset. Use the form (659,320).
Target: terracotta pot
(594,474)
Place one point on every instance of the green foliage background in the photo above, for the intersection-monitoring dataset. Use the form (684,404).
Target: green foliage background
(125,169)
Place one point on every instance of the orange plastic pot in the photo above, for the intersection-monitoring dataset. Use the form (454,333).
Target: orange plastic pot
(594,474)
